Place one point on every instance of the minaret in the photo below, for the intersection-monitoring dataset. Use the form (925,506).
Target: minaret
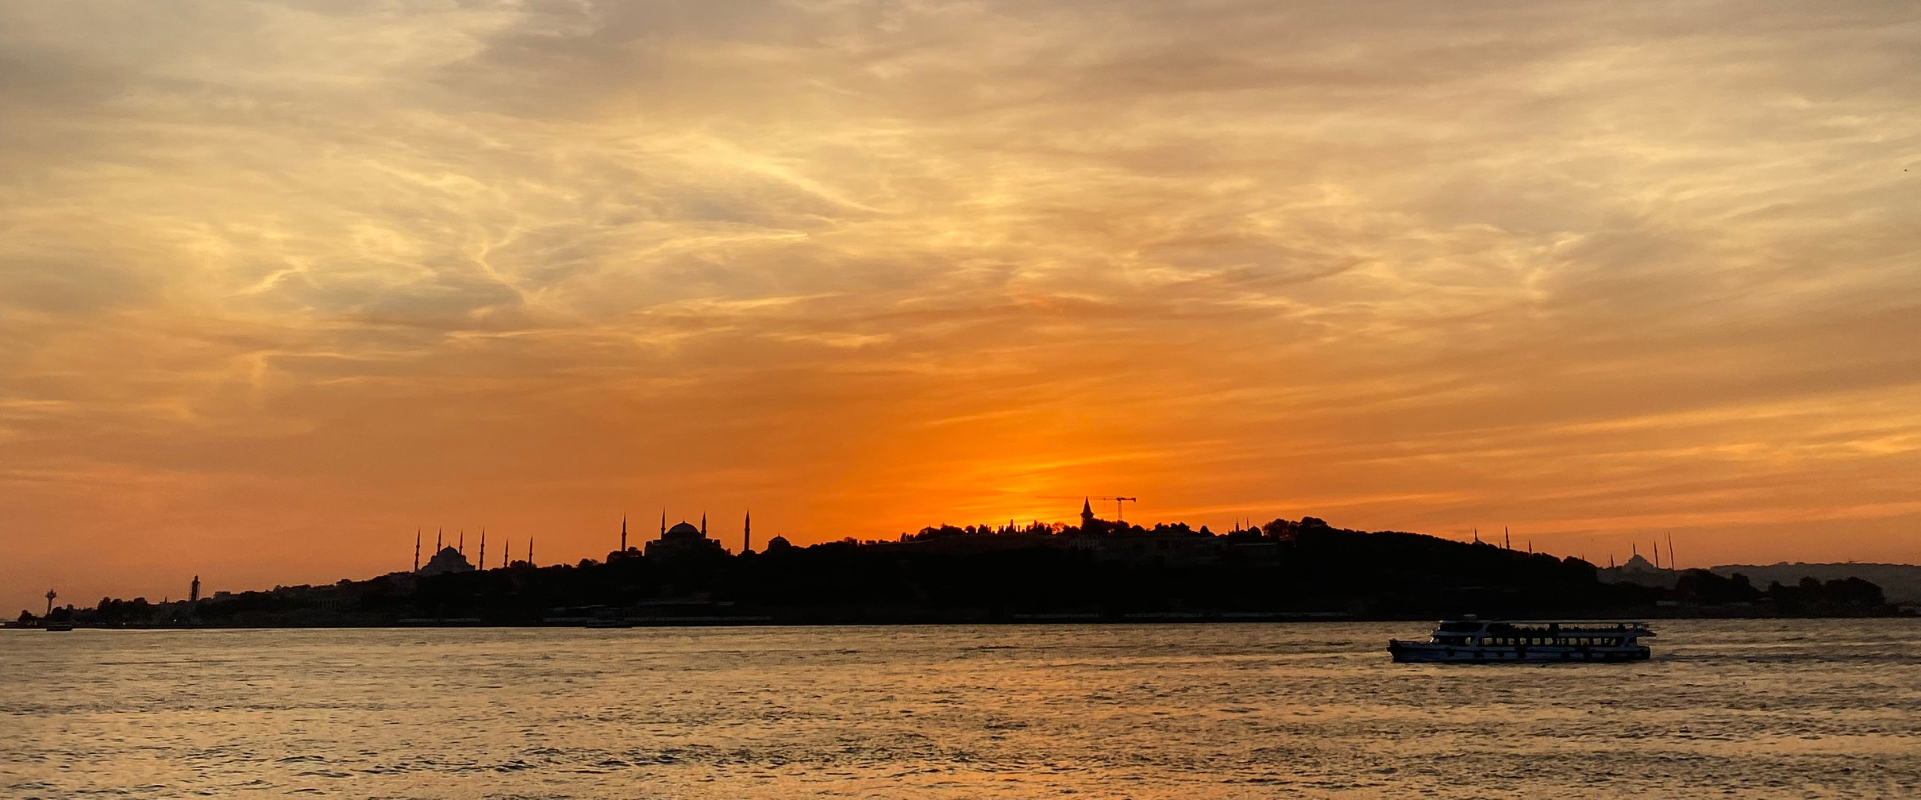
(193,592)
(1507,542)
(437,545)
(530,551)
(507,554)
(416,549)
(663,521)
(462,549)
(483,548)
(703,523)
(747,532)
(623,533)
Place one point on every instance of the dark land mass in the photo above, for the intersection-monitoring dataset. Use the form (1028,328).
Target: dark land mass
(1098,572)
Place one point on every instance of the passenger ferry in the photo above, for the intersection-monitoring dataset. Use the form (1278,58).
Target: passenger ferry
(1484,641)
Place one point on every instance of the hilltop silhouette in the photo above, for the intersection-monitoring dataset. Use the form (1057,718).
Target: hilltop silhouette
(1097,571)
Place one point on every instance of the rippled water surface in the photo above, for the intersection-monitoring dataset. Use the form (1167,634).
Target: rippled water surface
(1725,709)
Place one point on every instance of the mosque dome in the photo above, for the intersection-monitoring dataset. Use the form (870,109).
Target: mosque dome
(683,530)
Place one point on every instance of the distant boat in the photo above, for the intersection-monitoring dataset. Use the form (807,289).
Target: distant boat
(57,626)
(1488,641)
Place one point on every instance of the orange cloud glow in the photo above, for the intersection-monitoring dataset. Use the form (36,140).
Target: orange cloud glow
(280,283)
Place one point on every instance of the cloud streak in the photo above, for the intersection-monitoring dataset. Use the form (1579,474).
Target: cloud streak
(274,275)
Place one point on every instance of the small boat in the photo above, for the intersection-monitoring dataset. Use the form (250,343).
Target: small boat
(1477,641)
(57,626)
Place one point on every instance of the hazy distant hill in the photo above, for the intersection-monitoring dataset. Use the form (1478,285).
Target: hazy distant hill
(1900,582)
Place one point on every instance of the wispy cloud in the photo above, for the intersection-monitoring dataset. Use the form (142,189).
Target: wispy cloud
(271,270)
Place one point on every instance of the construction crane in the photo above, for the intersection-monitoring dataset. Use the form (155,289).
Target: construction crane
(1118,515)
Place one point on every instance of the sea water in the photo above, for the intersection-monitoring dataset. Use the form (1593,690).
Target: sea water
(1725,709)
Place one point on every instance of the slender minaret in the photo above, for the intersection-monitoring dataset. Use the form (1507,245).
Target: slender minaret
(530,551)
(483,548)
(1672,564)
(703,523)
(747,532)
(663,521)
(462,549)
(623,533)
(507,554)
(416,549)
(437,544)
(1507,541)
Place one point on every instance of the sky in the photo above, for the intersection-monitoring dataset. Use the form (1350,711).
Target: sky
(281,284)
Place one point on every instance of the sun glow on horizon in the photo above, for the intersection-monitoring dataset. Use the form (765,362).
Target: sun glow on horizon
(280,282)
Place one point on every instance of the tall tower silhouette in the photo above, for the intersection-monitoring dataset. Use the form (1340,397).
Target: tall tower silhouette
(416,549)
(747,533)
(663,521)
(530,551)
(1087,512)
(703,523)
(193,592)
(483,548)
(623,533)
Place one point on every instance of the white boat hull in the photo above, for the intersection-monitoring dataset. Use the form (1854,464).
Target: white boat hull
(1429,652)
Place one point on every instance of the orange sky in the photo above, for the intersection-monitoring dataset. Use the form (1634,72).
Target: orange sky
(279,284)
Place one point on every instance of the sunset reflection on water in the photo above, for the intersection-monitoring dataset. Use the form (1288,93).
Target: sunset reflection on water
(1739,708)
